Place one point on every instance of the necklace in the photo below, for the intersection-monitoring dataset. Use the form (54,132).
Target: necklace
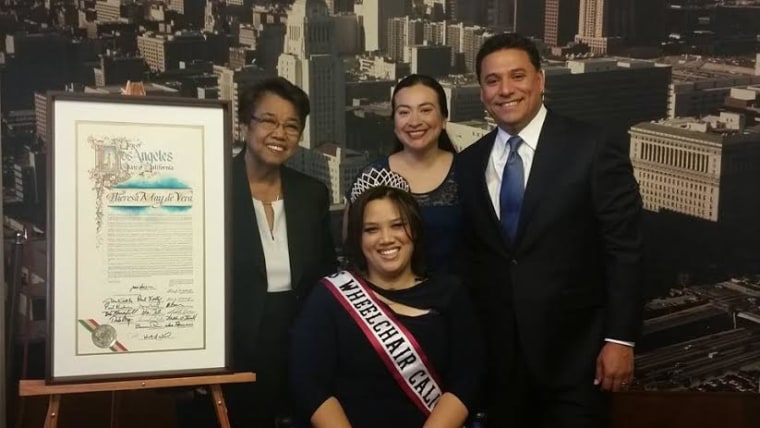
(277,198)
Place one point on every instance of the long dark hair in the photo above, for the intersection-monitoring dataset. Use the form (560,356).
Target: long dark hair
(410,214)
(444,142)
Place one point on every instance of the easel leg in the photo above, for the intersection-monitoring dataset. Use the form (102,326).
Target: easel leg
(220,406)
(115,409)
(51,419)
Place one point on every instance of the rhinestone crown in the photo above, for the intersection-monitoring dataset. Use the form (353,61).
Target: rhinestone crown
(377,177)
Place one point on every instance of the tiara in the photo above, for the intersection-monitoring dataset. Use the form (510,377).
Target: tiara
(375,178)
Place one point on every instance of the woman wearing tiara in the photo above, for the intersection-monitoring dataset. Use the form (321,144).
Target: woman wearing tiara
(424,156)
(383,345)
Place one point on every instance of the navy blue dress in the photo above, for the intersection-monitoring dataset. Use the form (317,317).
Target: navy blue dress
(331,357)
(442,216)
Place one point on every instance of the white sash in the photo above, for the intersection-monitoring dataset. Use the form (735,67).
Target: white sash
(394,344)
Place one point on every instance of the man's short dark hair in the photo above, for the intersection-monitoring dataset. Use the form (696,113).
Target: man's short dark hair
(279,86)
(507,41)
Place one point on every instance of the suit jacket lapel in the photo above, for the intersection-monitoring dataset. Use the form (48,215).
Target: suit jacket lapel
(547,160)
(247,226)
(294,221)
(484,197)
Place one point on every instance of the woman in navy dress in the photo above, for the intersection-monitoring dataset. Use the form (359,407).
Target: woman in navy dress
(338,376)
(424,156)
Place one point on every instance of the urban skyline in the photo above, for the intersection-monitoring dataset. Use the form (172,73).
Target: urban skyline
(679,79)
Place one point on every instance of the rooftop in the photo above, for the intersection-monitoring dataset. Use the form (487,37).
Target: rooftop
(708,128)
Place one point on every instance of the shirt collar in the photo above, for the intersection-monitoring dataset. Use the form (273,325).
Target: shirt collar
(529,134)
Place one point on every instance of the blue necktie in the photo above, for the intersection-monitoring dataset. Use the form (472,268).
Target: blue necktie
(512,188)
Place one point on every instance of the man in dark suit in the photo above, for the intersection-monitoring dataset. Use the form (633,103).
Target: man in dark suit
(551,251)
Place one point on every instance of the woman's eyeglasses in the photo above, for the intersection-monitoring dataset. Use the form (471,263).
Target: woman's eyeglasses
(269,124)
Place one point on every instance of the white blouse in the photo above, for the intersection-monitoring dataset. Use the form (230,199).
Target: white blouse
(274,242)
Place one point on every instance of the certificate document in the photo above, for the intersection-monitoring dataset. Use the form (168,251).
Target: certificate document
(139,245)
(143,289)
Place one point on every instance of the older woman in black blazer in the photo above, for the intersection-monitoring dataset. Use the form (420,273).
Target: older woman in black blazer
(281,246)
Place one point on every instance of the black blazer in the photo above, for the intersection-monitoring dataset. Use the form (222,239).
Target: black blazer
(571,276)
(310,245)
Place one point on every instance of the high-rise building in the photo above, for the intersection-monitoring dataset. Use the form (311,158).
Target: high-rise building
(402,33)
(335,166)
(337,6)
(463,100)
(163,52)
(614,93)
(498,13)
(431,60)
(267,15)
(350,40)
(310,61)
(745,100)
(699,93)
(381,68)
(648,23)
(527,17)
(269,43)
(116,69)
(192,10)
(241,56)
(34,62)
(455,39)
(472,38)
(434,33)
(40,116)
(560,22)
(374,17)
(602,24)
(469,12)
(108,10)
(232,83)
(463,134)
(435,10)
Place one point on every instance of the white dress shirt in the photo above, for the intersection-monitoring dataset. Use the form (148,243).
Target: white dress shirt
(274,242)
(527,151)
(500,152)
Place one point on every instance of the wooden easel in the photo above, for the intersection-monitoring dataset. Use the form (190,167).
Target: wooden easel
(38,387)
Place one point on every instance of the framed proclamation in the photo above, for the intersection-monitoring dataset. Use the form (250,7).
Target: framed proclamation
(138,268)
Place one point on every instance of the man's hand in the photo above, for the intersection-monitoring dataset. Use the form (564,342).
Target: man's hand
(614,367)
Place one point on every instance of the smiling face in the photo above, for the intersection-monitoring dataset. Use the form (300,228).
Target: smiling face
(511,88)
(417,117)
(273,130)
(386,242)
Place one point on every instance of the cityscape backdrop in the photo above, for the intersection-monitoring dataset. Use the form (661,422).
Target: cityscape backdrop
(680,80)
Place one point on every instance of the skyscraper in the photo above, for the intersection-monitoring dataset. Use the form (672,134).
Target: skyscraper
(527,16)
(468,12)
(336,6)
(375,15)
(311,62)
(560,21)
(602,24)
(402,33)
(500,13)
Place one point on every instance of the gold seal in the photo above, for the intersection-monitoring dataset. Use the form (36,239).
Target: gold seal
(104,336)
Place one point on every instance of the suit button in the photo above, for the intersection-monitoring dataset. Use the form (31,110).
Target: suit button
(514,262)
